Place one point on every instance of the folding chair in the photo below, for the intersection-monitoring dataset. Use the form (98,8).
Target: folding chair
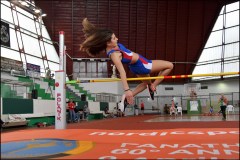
(179,110)
(230,108)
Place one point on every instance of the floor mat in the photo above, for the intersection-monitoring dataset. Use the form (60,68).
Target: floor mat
(188,143)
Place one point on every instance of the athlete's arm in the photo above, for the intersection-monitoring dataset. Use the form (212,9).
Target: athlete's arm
(116,58)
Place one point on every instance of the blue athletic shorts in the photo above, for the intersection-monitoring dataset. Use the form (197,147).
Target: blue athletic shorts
(142,66)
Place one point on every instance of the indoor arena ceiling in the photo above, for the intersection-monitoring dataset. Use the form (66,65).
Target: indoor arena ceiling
(173,30)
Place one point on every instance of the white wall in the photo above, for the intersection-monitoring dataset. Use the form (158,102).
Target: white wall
(221,86)
(103,87)
(218,87)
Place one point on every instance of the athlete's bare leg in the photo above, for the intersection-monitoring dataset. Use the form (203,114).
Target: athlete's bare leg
(161,67)
(142,86)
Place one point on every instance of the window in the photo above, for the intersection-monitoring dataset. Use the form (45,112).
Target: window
(29,31)
(221,52)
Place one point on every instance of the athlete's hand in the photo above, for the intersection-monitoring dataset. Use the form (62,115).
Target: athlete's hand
(129,96)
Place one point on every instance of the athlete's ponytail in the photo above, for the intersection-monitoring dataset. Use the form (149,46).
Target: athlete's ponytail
(88,28)
(96,38)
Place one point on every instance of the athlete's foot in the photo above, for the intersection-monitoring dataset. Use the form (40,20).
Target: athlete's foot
(151,90)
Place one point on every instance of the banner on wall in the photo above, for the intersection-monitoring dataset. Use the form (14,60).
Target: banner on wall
(193,105)
(5,36)
(33,67)
(33,70)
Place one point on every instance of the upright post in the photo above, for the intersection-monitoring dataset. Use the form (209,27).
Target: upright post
(62,48)
(60,90)
(64,59)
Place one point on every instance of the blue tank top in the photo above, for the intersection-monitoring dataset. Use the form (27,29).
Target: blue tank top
(126,53)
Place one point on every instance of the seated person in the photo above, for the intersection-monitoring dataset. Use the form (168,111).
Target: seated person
(172,108)
(107,114)
(211,110)
(120,113)
(176,105)
(79,114)
(86,112)
(166,109)
(117,112)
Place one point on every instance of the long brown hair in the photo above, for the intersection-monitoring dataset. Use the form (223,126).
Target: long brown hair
(96,38)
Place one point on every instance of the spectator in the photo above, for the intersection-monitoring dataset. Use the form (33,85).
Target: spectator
(172,109)
(211,111)
(107,114)
(223,105)
(176,105)
(79,114)
(86,111)
(142,107)
(71,107)
(166,109)
(136,109)
(117,112)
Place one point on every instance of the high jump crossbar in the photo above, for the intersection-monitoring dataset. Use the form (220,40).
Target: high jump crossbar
(150,78)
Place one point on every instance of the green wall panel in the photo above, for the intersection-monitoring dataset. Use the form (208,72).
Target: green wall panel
(5,91)
(24,79)
(103,105)
(81,104)
(94,116)
(17,106)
